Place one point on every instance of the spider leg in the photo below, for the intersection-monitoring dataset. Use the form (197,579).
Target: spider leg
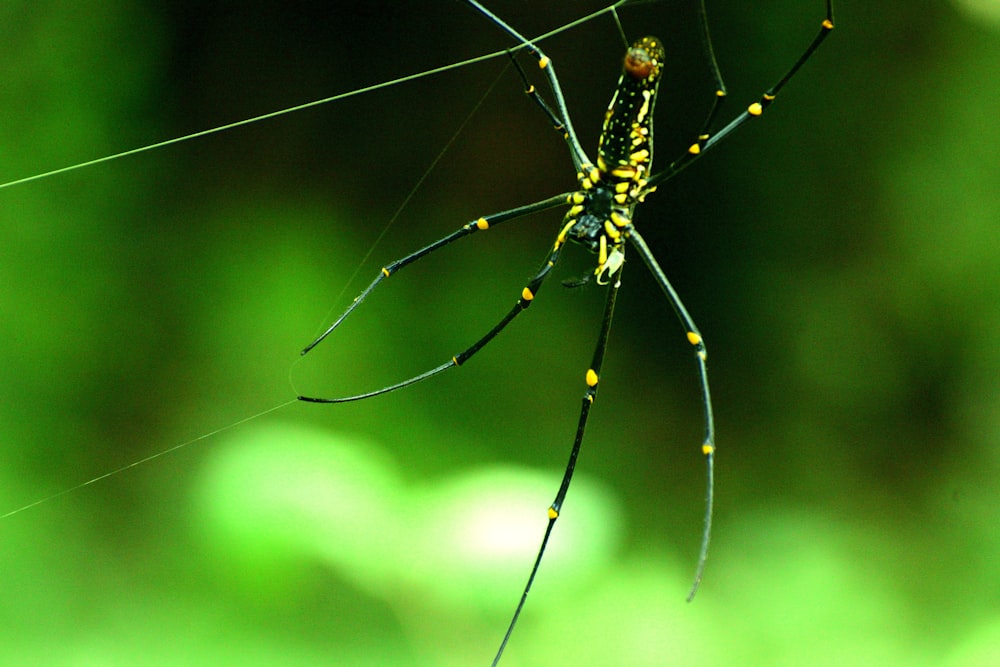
(527,294)
(701,355)
(560,116)
(720,86)
(591,379)
(481,224)
(706,141)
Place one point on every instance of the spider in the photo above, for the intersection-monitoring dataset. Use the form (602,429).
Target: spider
(600,218)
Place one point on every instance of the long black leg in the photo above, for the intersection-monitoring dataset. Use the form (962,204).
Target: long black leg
(527,296)
(591,379)
(720,86)
(560,116)
(701,355)
(707,141)
(481,224)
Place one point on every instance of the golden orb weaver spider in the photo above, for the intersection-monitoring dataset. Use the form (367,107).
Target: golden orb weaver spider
(600,218)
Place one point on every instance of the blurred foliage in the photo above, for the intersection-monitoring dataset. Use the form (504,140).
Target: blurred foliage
(840,256)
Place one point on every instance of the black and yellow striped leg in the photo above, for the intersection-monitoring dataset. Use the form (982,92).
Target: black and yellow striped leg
(559,116)
(707,141)
(481,224)
(701,355)
(720,86)
(527,296)
(534,96)
(591,379)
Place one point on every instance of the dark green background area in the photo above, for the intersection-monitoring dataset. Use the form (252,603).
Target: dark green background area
(840,256)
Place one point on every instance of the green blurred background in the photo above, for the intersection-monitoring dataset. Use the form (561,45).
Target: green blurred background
(840,257)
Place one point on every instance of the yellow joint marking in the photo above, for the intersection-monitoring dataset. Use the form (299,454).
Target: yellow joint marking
(755,109)
(619,220)
(543,62)
(530,90)
(594,175)
(602,253)
(577,198)
(828,24)
(621,198)
(693,338)
(769,98)
(526,294)
(639,156)
(553,514)
(694,149)
(702,355)
(385,272)
(482,224)
(720,93)
(610,230)
(707,449)
(621,187)
(455,361)
(591,377)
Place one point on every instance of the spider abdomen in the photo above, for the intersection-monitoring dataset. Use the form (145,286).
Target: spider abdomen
(627,135)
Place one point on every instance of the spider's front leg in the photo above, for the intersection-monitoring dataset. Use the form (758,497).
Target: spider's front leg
(481,224)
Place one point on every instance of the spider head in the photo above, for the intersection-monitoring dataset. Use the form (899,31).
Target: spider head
(644,60)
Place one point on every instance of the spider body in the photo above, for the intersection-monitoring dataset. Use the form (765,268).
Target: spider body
(600,215)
